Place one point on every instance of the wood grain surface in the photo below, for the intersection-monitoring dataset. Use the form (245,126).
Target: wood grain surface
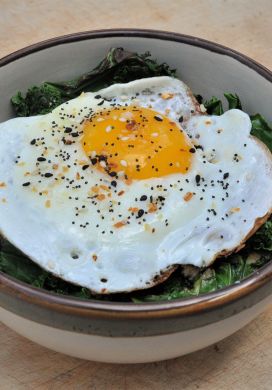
(242,361)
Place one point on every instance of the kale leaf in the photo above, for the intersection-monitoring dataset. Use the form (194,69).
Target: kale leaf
(233,101)
(37,101)
(119,66)
(214,106)
(262,239)
(261,130)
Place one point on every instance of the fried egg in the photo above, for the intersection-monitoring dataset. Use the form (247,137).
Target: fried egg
(114,189)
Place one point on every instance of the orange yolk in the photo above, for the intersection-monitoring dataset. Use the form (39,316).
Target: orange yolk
(137,141)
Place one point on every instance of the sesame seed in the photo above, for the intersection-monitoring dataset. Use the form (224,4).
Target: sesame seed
(143,198)
(140,213)
(158,118)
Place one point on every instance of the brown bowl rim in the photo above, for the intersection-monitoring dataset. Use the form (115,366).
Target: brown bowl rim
(182,306)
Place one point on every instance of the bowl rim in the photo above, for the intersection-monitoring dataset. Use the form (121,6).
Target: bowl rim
(126,310)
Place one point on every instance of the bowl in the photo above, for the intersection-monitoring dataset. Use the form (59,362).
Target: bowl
(128,332)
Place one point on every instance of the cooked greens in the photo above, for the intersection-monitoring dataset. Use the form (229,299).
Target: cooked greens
(214,106)
(119,66)
(191,281)
(187,281)
(122,66)
(37,101)
(261,130)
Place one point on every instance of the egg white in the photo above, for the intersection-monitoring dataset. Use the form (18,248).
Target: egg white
(230,179)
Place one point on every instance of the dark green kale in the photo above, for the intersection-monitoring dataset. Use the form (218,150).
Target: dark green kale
(119,66)
(214,106)
(261,130)
(37,101)
(233,101)
(262,239)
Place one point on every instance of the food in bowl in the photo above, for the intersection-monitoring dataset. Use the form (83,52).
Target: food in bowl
(122,185)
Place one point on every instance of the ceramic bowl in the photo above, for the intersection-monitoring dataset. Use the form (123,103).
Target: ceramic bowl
(127,332)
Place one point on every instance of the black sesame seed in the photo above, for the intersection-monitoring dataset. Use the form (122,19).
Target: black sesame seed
(192,150)
(226,175)
(26,184)
(33,142)
(143,198)
(85,167)
(180,119)
(48,174)
(68,130)
(114,183)
(94,160)
(140,213)
(197,179)
(158,118)
(41,159)
(97,97)
(100,103)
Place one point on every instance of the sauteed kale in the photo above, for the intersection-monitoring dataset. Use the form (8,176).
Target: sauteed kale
(118,66)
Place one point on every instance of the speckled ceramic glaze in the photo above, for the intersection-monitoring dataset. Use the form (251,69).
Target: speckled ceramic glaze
(127,332)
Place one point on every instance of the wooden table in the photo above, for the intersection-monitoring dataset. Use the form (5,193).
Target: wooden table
(242,361)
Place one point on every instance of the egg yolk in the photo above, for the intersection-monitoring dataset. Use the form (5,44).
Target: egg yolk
(136,141)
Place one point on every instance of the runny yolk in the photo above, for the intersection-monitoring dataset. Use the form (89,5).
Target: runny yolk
(137,141)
